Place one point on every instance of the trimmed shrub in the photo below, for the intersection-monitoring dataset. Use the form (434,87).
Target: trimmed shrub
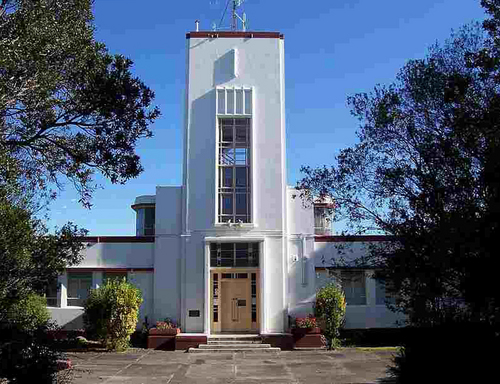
(28,314)
(111,313)
(330,307)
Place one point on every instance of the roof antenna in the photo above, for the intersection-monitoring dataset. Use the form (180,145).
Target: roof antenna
(237,4)
(236,18)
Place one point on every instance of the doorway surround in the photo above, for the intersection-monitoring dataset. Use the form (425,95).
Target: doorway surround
(261,280)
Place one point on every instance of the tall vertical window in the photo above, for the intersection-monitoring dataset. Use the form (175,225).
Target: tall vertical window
(234,170)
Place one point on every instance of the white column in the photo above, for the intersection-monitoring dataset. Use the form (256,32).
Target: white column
(62,291)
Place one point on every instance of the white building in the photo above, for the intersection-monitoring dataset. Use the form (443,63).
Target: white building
(230,250)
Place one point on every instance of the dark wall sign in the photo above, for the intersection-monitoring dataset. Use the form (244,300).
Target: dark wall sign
(194,313)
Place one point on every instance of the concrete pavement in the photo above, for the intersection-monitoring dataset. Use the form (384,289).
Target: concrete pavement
(312,367)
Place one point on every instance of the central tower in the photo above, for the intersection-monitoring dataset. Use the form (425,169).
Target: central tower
(235,193)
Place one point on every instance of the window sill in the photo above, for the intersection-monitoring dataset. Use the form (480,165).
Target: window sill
(236,226)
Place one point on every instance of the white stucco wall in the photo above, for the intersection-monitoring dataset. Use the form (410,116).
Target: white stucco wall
(168,210)
(72,317)
(370,315)
(260,65)
(300,216)
(118,255)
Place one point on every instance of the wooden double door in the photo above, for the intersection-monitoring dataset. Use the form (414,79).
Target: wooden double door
(234,299)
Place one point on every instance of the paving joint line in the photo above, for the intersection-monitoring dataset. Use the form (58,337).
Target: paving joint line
(288,370)
(132,363)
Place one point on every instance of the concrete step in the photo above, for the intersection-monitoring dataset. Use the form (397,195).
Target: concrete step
(233,346)
(246,338)
(247,350)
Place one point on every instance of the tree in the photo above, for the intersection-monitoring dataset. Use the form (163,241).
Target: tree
(426,170)
(68,108)
(30,257)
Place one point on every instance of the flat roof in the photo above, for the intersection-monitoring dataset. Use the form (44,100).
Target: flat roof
(235,34)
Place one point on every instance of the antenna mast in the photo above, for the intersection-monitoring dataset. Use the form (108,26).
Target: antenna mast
(236,18)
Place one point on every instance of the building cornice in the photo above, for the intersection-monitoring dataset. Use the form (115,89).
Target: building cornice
(235,34)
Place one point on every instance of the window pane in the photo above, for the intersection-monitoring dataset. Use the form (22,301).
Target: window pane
(227,134)
(241,134)
(226,156)
(227,246)
(227,204)
(79,285)
(221,107)
(230,101)
(226,177)
(239,101)
(241,177)
(241,156)
(353,283)
(241,204)
(241,122)
(149,222)
(51,293)
(248,102)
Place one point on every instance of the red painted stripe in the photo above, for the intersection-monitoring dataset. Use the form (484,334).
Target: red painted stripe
(360,238)
(249,35)
(117,239)
(104,269)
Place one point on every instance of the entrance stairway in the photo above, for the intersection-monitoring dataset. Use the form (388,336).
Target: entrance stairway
(234,343)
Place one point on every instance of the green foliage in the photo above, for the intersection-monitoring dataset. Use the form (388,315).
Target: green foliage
(27,359)
(426,171)
(330,306)
(111,313)
(29,313)
(67,106)
(30,257)
(452,352)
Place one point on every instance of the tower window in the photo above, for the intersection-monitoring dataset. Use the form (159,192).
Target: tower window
(234,170)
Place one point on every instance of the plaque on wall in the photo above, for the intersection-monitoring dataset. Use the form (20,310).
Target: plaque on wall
(194,313)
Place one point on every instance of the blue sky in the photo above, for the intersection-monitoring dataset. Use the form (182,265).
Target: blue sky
(333,49)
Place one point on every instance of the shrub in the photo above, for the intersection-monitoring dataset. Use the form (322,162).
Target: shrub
(450,352)
(111,313)
(29,357)
(28,314)
(330,307)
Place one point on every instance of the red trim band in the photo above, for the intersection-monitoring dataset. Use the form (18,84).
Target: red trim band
(360,238)
(248,35)
(104,269)
(117,239)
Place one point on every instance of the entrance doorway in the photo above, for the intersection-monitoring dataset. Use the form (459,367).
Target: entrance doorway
(235,306)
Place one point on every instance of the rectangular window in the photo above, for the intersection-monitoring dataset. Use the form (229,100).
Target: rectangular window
(149,222)
(51,293)
(234,255)
(234,171)
(354,286)
(381,294)
(79,285)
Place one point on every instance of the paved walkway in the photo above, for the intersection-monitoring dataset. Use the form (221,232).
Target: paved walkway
(312,367)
